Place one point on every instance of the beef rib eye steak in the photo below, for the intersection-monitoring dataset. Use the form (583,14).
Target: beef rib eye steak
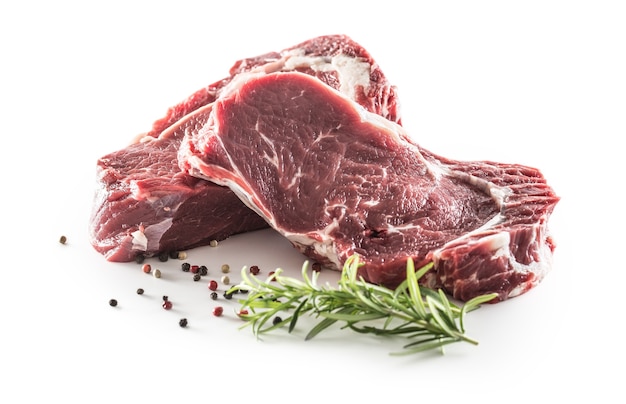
(337,180)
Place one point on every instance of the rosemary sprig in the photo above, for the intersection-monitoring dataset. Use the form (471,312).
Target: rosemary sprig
(424,316)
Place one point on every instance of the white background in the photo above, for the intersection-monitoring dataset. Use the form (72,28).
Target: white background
(540,83)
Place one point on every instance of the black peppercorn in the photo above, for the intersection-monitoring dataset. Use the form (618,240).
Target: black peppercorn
(163,256)
(112,302)
(140,291)
(182,322)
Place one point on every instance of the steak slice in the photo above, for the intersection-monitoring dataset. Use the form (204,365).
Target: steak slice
(144,205)
(337,180)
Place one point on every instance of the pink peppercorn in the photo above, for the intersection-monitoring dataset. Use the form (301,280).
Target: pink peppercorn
(218,311)
(213,285)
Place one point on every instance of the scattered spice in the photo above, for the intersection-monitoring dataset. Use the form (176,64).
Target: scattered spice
(225,268)
(214,295)
(228,295)
(63,240)
(185,266)
(167,305)
(213,243)
(112,302)
(277,320)
(196,277)
(225,280)
(204,270)
(212,285)
(140,258)
(182,322)
(147,268)
(166,298)
(173,254)
(254,270)
(218,311)
(156,273)
(140,291)
(316,267)
(182,255)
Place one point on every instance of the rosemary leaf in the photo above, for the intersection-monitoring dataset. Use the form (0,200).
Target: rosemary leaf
(425,317)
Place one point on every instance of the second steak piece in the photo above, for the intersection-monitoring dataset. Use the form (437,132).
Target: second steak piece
(337,180)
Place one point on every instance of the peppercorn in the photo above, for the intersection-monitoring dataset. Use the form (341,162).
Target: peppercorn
(212,285)
(225,268)
(185,266)
(218,311)
(112,302)
(204,270)
(195,269)
(173,254)
(228,295)
(277,320)
(182,322)
(214,295)
(140,291)
(167,305)
(196,277)
(156,273)
(254,270)
(63,240)
(140,258)
(213,243)
(164,256)
(166,298)
(317,267)
(182,255)
(225,280)
(147,268)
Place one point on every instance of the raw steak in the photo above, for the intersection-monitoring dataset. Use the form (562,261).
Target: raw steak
(337,180)
(144,205)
